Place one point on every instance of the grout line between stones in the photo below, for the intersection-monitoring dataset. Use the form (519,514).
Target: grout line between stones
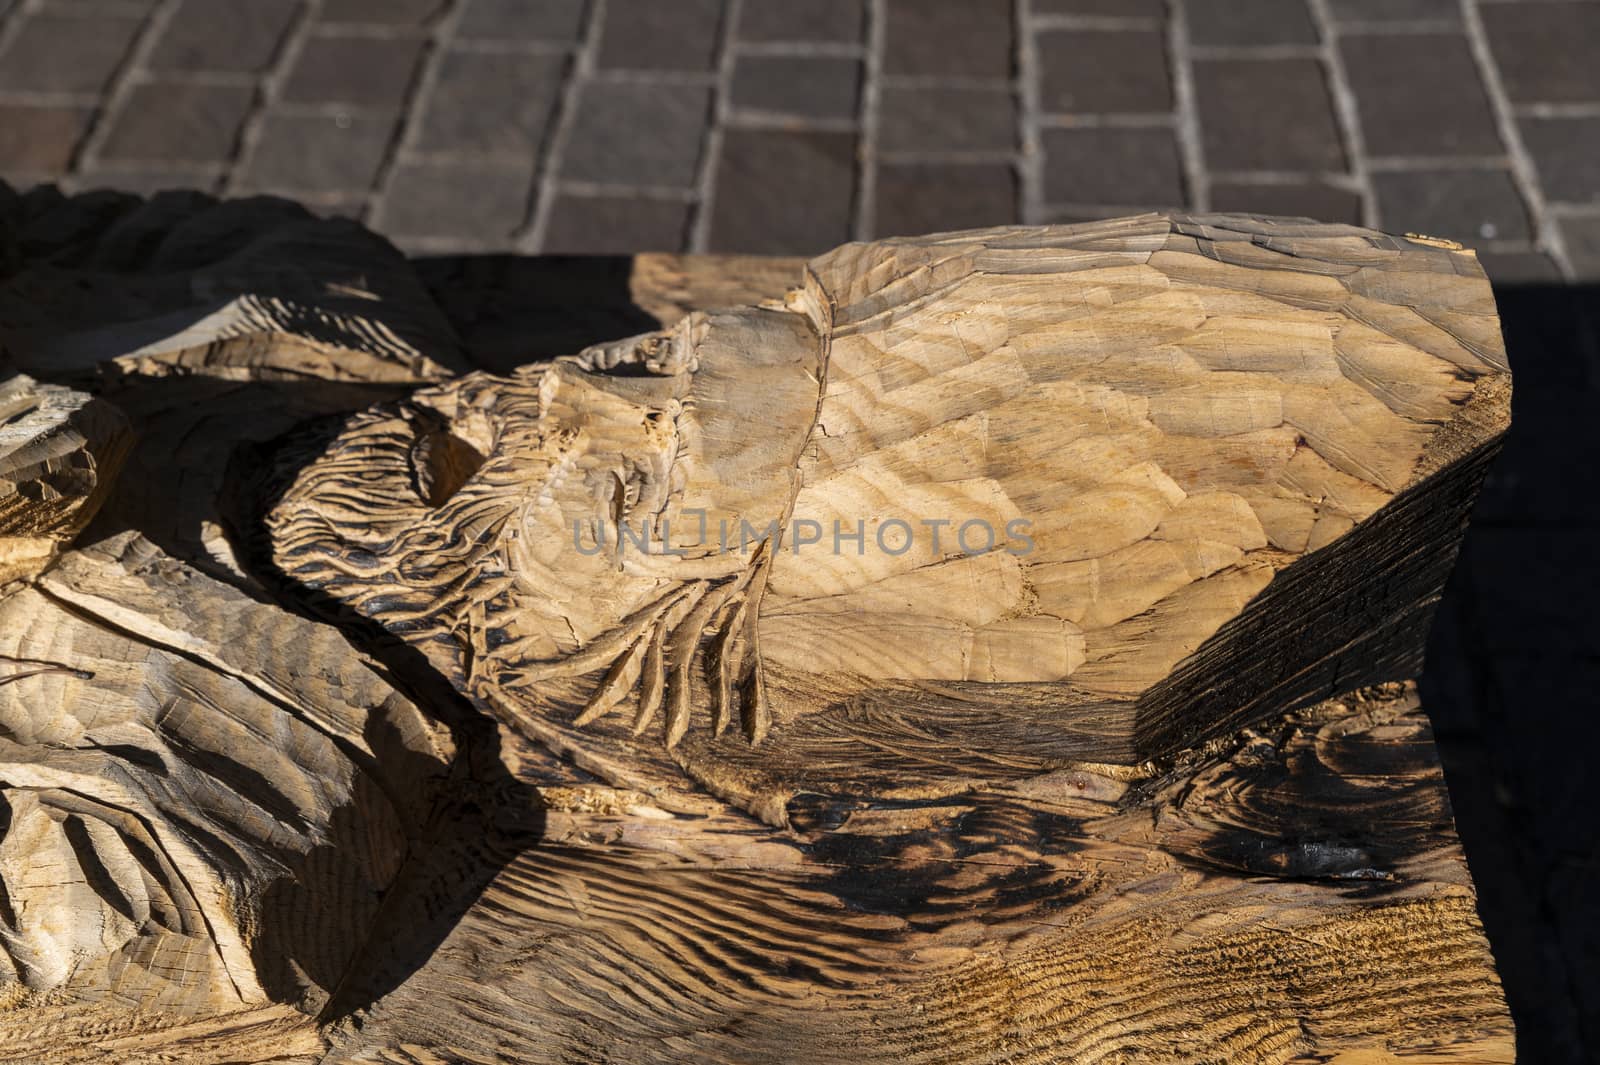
(1185,110)
(580,71)
(1030,141)
(1587,109)
(127,77)
(1383,164)
(1254,52)
(1098,23)
(778,120)
(492,46)
(37,98)
(613,189)
(1125,120)
(11,21)
(871,107)
(267,87)
(1523,172)
(1345,111)
(1336,178)
(413,108)
(800,49)
(699,235)
(1371,27)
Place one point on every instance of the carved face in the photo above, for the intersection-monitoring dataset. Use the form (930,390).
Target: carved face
(578,516)
(1022,476)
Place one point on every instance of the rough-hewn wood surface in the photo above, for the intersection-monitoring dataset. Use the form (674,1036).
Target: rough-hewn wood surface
(1174,440)
(256,805)
(59,454)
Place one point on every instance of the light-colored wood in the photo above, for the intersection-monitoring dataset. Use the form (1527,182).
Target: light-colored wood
(1290,895)
(234,833)
(59,455)
(1175,438)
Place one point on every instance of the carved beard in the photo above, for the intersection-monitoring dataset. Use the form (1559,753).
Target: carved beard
(571,519)
(1195,482)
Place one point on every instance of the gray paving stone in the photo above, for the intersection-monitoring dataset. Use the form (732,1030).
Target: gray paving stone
(66,53)
(1113,167)
(483,204)
(1346,11)
(1310,199)
(147,180)
(1104,71)
(921,198)
(651,35)
(838,21)
(40,140)
(232,36)
(1419,94)
(119,7)
(1470,206)
(797,86)
(353,69)
(1566,152)
(559,21)
(946,118)
(1250,22)
(638,134)
(326,153)
(381,12)
(948,38)
(615,225)
(810,175)
(1520,268)
(491,103)
(1581,234)
(168,122)
(1546,51)
(1267,114)
(1102,8)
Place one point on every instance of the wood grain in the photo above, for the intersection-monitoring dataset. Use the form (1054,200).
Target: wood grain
(59,455)
(1289,895)
(1134,795)
(1177,438)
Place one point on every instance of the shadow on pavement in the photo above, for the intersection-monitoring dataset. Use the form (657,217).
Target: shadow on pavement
(1513,673)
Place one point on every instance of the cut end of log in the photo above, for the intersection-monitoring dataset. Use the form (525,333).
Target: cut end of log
(59,454)
(781,777)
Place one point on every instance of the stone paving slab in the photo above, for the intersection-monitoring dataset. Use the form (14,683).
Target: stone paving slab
(607,127)
(1477,120)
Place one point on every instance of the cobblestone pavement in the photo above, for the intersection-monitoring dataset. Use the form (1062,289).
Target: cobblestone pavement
(788,126)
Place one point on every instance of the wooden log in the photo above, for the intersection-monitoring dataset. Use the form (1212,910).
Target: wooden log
(1176,439)
(1293,894)
(232,833)
(59,455)
(207,796)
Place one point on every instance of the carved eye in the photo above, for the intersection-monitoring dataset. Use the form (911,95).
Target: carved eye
(441,462)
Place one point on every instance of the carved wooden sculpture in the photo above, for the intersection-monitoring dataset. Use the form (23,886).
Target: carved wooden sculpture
(1125,783)
(1146,446)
